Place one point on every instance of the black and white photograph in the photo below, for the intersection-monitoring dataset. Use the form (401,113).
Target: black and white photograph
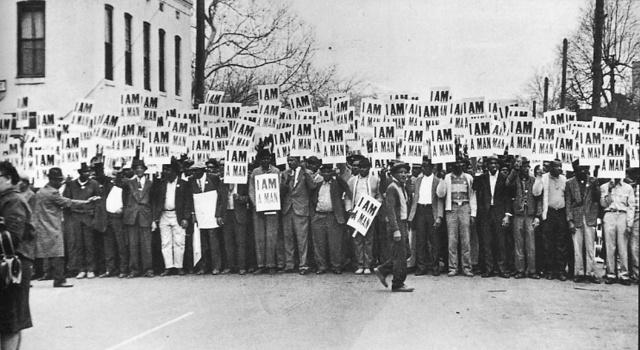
(319,174)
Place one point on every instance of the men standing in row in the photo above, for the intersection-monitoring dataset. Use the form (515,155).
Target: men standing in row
(81,244)
(396,211)
(582,198)
(328,218)
(137,219)
(525,210)
(460,206)
(172,209)
(235,228)
(265,223)
(296,184)
(47,224)
(554,230)
(362,183)
(494,199)
(426,214)
(618,200)
(200,182)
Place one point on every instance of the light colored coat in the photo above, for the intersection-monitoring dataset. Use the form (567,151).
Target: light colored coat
(374,188)
(444,192)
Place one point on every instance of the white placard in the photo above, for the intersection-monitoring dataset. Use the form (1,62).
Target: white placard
(363,214)
(204,205)
(267,192)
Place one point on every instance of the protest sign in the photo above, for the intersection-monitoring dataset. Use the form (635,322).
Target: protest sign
(236,165)
(632,145)
(440,94)
(613,159)
(363,214)
(334,147)
(443,149)
(201,148)
(565,149)
(22,113)
(209,113)
(267,119)
(589,146)
(130,105)
(149,111)
(230,112)
(213,97)
(159,146)
(559,118)
(395,112)
(242,133)
(413,114)
(282,142)
(544,141)
(479,144)
(267,188)
(521,132)
(300,102)
(433,113)
(384,143)
(269,92)
(202,204)
(47,131)
(302,138)
(371,111)
(127,141)
(413,145)
(219,132)
(460,112)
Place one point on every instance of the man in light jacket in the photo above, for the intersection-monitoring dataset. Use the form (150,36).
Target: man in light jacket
(460,206)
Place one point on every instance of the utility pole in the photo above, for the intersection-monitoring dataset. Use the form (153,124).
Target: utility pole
(198,93)
(545,100)
(534,109)
(563,85)
(596,69)
(611,111)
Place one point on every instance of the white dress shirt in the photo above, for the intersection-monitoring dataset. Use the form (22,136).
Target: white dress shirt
(295,176)
(426,186)
(141,181)
(170,197)
(492,183)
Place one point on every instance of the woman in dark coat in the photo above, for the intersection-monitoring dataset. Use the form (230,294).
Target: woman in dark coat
(14,300)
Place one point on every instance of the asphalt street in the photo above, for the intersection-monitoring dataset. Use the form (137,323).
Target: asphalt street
(288,311)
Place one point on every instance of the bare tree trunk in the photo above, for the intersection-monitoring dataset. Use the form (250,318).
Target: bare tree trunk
(563,86)
(198,91)
(545,99)
(597,57)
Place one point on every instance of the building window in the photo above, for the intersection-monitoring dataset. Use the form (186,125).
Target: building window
(161,60)
(177,58)
(31,39)
(108,42)
(146,30)
(128,75)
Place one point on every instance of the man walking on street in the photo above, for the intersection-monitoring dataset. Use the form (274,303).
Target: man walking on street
(582,197)
(397,212)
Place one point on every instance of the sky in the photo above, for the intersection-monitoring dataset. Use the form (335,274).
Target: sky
(478,48)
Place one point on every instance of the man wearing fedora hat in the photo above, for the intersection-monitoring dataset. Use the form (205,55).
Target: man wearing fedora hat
(396,205)
(138,220)
(81,241)
(47,224)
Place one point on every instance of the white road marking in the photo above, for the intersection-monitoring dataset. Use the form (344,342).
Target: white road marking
(147,332)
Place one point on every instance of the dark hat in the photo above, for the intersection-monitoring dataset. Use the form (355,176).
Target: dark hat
(365,162)
(355,157)
(314,160)
(84,168)
(98,165)
(55,173)
(213,162)
(138,162)
(426,159)
(326,167)
(400,165)
(524,161)
(263,153)
(175,166)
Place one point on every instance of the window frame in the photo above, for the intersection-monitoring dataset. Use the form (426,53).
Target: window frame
(128,50)
(177,40)
(161,59)
(108,42)
(24,7)
(146,55)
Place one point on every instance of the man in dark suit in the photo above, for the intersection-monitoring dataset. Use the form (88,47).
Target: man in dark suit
(296,184)
(138,219)
(427,211)
(200,182)
(328,215)
(582,198)
(172,210)
(80,223)
(235,228)
(397,213)
(493,198)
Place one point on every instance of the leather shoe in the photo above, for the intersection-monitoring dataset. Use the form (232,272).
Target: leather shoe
(273,271)
(181,272)
(609,280)
(62,285)
(242,272)
(132,275)
(562,277)
(534,276)
(122,275)
(452,273)
(420,272)
(304,271)
(337,271)
(149,274)
(320,272)
(486,275)
(468,273)
(165,273)
(519,275)
(403,288)
(596,280)
(504,275)
(226,271)
(215,272)
(258,271)
(200,272)
(435,273)
(381,277)
(625,281)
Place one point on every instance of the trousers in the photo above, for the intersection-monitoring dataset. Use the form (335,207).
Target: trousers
(524,244)
(296,230)
(493,242)
(235,241)
(556,241)
(615,239)
(139,249)
(172,237)
(396,264)
(266,236)
(327,233)
(81,244)
(458,223)
(427,239)
(116,245)
(363,248)
(584,240)
(634,253)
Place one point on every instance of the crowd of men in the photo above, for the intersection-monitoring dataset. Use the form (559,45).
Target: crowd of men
(495,218)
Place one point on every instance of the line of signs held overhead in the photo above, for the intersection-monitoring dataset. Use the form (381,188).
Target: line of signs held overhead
(401,124)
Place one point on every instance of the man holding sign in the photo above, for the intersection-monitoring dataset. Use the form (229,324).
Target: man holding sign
(396,209)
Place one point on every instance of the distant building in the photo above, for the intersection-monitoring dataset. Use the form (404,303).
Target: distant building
(57,52)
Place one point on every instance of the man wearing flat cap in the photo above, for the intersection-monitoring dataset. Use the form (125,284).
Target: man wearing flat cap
(396,205)
(582,198)
(211,239)
(81,244)
(456,189)
(525,209)
(172,209)
(47,224)
(138,218)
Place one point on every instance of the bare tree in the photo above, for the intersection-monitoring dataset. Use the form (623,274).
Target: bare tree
(620,47)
